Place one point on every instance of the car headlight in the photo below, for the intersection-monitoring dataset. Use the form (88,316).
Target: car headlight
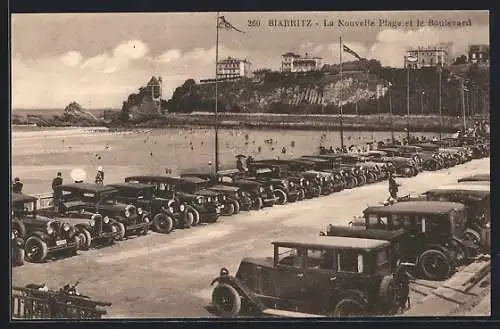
(50,230)
(139,211)
(223,198)
(106,220)
(182,207)
(292,184)
(209,199)
(171,209)
(91,222)
(307,183)
(200,200)
(66,227)
(261,189)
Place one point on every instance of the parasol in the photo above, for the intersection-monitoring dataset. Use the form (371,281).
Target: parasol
(78,174)
(240,156)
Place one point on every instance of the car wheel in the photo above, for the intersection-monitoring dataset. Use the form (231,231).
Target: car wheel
(317,192)
(145,230)
(237,207)
(302,194)
(258,203)
(189,219)
(434,264)
(389,294)
(85,239)
(247,204)
(349,307)
(226,300)
(281,195)
(36,249)
(473,236)
(18,229)
(18,256)
(121,230)
(162,223)
(229,209)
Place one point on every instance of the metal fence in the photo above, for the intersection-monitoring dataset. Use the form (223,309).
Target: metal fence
(29,303)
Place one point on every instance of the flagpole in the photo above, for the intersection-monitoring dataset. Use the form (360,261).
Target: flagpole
(407,102)
(440,105)
(216,97)
(390,111)
(340,99)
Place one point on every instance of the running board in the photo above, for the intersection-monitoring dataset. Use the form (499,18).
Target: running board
(289,314)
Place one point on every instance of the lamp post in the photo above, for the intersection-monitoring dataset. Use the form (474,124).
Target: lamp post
(422,102)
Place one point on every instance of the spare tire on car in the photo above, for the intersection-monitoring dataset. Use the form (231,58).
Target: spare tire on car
(226,300)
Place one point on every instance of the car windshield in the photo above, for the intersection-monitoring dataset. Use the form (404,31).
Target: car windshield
(320,259)
(24,209)
(289,257)
(108,197)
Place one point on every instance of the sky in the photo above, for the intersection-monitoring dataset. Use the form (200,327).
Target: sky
(98,59)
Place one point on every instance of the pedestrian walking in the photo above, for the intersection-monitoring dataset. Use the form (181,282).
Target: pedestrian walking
(17,185)
(393,187)
(99,177)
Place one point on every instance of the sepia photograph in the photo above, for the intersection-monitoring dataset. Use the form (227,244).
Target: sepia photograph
(225,165)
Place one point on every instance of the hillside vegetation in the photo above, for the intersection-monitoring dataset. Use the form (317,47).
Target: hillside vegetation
(322,93)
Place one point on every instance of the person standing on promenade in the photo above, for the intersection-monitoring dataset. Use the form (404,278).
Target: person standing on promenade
(17,185)
(99,177)
(56,193)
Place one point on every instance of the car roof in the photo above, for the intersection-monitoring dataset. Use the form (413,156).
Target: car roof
(21,197)
(333,242)
(131,185)
(465,187)
(87,187)
(417,207)
(345,231)
(476,177)
(465,191)
(166,178)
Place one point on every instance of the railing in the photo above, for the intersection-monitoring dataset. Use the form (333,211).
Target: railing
(29,303)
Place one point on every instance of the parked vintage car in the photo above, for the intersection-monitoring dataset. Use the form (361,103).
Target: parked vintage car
(354,175)
(477,177)
(285,187)
(236,198)
(398,165)
(261,193)
(476,197)
(331,276)
(202,205)
(166,213)
(42,235)
(435,241)
(17,248)
(370,170)
(315,183)
(126,218)
(92,228)
(341,178)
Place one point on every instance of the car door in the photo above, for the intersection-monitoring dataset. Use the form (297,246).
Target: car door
(320,274)
(289,276)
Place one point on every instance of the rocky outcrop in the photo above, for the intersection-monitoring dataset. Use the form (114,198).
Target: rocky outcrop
(75,114)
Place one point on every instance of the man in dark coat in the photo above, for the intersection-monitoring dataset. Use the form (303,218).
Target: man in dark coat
(17,185)
(99,178)
(393,186)
(58,181)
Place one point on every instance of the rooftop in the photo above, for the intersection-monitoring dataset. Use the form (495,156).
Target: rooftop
(417,207)
(333,242)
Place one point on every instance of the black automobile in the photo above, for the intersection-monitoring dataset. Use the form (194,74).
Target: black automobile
(236,197)
(202,205)
(353,175)
(397,165)
(316,182)
(286,188)
(341,179)
(166,213)
(42,235)
(261,193)
(475,178)
(434,241)
(126,218)
(17,248)
(328,276)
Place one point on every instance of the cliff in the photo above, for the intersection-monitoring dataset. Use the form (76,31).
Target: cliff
(320,92)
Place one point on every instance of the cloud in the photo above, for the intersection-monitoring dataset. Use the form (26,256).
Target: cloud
(170,55)
(133,49)
(71,58)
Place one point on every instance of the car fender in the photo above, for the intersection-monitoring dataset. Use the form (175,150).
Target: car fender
(240,288)
(85,226)
(436,247)
(42,235)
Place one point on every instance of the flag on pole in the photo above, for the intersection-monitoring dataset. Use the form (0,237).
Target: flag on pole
(225,25)
(350,51)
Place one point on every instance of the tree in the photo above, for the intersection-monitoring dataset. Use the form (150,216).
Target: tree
(460,60)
